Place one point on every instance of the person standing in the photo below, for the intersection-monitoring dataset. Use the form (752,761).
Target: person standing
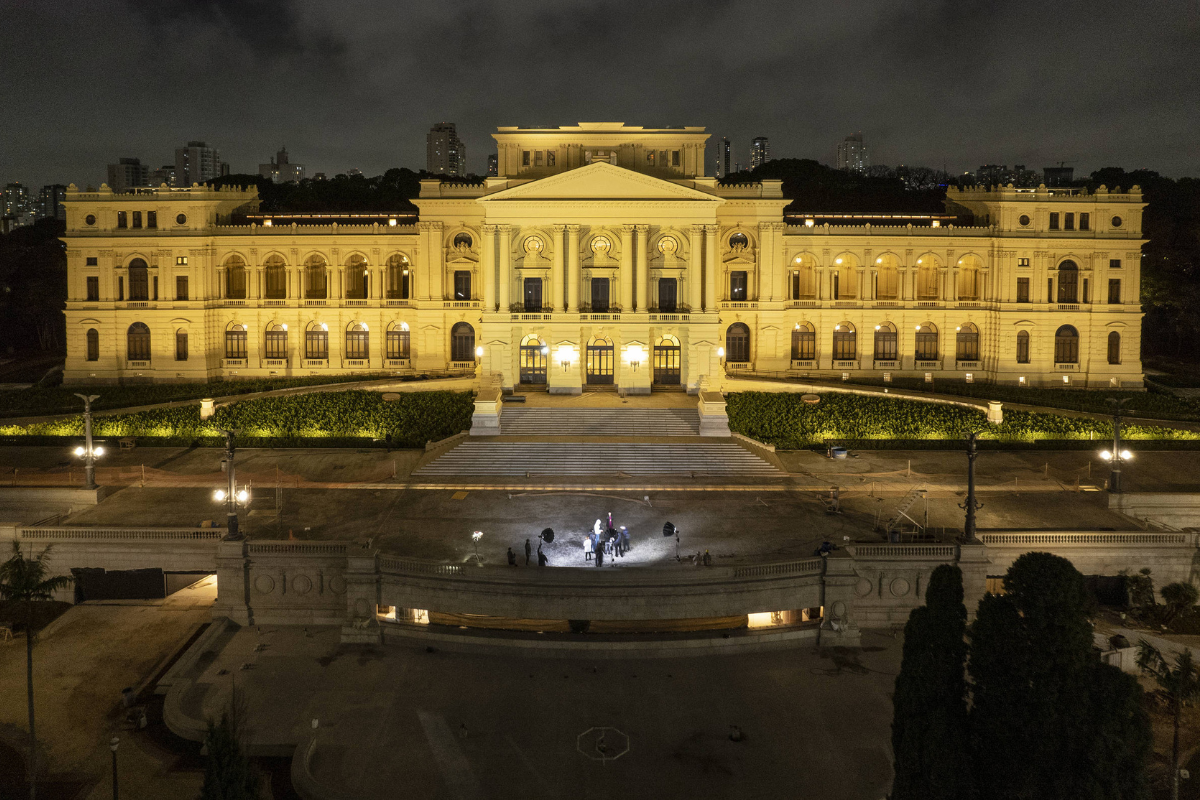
(587,547)
(512,558)
(529,551)
(542,560)
(599,556)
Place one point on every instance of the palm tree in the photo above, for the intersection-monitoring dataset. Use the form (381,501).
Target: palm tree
(24,580)
(1180,683)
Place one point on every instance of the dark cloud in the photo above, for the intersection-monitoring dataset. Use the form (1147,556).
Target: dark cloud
(357,84)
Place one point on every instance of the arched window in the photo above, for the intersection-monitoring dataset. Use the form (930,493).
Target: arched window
(275,341)
(966,343)
(804,342)
(275,275)
(1022,347)
(1114,347)
(137,342)
(358,283)
(358,341)
(1066,345)
(927,342)
(316,341)
(885,342)
(463,240)
(397,277)
(235,341)
(887,277)
(737,343)
(397,340)
(845,342)
(235,278)
(1068,283)
(969,267)
(739,240)
(316,286)
(93,344)
(139,280)
(802,280)
(462,342)
(928,278)
(181,345)
(845,277)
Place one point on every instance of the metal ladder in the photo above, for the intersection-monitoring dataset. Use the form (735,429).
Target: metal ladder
(901,513)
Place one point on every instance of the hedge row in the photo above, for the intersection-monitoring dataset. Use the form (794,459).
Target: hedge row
(786,421)
(411,421)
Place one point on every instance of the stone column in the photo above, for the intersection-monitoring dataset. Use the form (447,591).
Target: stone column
(573,271)
(488,265)
(953,293)
(505,267)
(558,281)
(872,289)
(646,292)
(437,258)
(695,280)
(710,268)
(626,276)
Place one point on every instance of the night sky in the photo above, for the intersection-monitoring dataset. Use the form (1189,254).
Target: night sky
(357,84)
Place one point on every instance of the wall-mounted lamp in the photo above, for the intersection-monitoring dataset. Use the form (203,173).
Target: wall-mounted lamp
(566,354)
(635,354)
(479,352)
(720,352)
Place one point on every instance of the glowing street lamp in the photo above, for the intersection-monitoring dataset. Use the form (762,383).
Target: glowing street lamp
(88,452)
(1117,456)
(231,495)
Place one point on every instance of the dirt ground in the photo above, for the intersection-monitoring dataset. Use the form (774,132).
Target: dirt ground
(81,664)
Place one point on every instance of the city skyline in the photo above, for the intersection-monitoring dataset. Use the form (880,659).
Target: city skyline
(1025,105)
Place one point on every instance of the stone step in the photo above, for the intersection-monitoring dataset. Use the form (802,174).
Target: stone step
(599,422)
(561,458)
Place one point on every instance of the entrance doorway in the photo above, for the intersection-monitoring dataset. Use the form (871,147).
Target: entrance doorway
(600,362)
(666,362)
(534,355)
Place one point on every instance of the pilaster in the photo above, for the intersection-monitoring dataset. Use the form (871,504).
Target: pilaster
(573,273)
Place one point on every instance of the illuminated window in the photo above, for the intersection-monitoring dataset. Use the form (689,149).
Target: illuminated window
(316,342)
(358,341)
(804,343)
(967,343)
(927,343)
(737,285)
(885,342)
(397,343)
(235,342)
(276,341)
(275,276)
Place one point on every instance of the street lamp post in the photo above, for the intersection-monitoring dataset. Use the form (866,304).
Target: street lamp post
(1117,456)
(112,745)
(230,495)
(88,451)
(970,506)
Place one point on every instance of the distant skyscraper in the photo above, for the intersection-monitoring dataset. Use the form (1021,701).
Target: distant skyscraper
(493,165)
(50,202)
(445,153)
(852,154)
(760,151)
(16,199)
(164,174)
(197,163)
(280,170)
(1058,176)
(722,157)
(128,173)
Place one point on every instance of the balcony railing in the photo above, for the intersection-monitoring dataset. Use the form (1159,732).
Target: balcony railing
(355,302)
(399,363)
(798,364)
(461,304)
(311,303)
(395,302)
(739,304)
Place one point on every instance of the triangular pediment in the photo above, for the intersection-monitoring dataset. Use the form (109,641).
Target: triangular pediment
(601,181)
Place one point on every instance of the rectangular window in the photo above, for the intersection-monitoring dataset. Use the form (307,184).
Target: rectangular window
(1114,291)
(122,220)
(1049,290)
(120,287)
(524,158)
(181,261)
(1069,221)
(151,219)
(549,158)
(1085,221)
(93,288)
(137,219)
(1114,263)
(1022,262)
(667,294)
(1053,220)
(462,285)
(737,285)
(181,287)
(674,158)
(154,284)
(538,155)
(181,346)
(650,158)
(1022,348)
(600,294)
(276,344)
(795,287)
(397,344)
(1022,290)
(533,294)
(235,344)
(358,344)
(92,261)
(316,345)
(1087,295)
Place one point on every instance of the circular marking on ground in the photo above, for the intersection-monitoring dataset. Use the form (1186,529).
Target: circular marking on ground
(390,396)
(301,584)
(899,587)
(337,584)
(863,587)
(602,744)
(264,584)
(811,399)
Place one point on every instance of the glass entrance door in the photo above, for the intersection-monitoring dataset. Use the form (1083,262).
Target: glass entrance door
(600,363)
(533,364)
(600,294)
(666,365)
(533,294)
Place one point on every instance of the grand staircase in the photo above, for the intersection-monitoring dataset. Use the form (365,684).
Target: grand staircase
(599,422)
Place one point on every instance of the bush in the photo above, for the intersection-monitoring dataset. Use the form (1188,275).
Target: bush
(786,421)
(1179,597)
(411,421)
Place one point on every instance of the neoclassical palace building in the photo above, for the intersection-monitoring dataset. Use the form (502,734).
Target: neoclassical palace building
(603,256)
